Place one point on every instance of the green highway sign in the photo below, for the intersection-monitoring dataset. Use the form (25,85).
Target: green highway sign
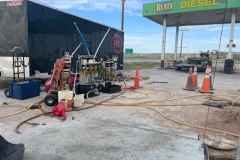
(129,51)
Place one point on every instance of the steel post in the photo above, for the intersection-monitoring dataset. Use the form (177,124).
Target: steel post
(163,41)
(229,56)
(176,45)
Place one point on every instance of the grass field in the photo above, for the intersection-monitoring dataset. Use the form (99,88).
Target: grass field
(170,57)
(147,61)
(140,65)
(167,56)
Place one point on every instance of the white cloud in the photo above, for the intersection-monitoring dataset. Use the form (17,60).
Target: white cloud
(200,26)
(215,29)
(143,44)
(150,43)
(134,40)
(132,7)
(225,28)
(225,40)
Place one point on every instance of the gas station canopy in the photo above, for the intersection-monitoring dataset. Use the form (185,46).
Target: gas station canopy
(191,12)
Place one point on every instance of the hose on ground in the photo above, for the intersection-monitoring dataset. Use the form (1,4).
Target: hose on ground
(235,101)
(160,100)
(19,125)
(23,110)
(146,103)
(193,126)
(178,122)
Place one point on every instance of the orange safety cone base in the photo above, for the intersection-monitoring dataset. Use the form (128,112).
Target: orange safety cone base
(136,84)
(207,84)
(201,91)
(194,89)
(136,88)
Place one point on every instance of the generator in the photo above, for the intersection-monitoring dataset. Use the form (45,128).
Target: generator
(96,76)
(88,75)
(110,77)
(91,76)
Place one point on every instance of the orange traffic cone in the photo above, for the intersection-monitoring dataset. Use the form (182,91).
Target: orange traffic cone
(210,77)
(206,88)
(136,82)
(189,86)
(194,78)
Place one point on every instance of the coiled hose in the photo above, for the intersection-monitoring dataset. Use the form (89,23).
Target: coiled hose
(146,104)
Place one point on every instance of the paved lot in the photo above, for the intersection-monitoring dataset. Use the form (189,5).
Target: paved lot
(111,132)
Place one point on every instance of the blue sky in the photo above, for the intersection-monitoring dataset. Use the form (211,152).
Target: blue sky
(143,35)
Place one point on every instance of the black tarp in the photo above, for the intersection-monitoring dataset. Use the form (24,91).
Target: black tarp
(9,151)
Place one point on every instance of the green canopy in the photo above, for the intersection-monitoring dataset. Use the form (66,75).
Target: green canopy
(191,12)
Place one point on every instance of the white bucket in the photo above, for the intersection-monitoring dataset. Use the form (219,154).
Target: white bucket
(78,100)
(63,96)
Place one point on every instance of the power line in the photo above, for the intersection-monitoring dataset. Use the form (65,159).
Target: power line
(215,69)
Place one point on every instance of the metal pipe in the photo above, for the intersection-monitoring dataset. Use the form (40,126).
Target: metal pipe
(181,46)
(75,50)
(82,38)
(233,19)
(74,83)
(101,42)
(122,24)
(163,41)
(176,44)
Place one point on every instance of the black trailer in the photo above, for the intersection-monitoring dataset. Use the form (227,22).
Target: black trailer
(40,29)
(201,64)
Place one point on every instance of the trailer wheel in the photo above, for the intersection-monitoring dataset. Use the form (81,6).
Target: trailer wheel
(7,93)
(50,99)
(83,90)
(71,88)
(100,87)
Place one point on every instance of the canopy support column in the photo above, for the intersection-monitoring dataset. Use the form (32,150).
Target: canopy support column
(176,44)
(229,56)
(163,41)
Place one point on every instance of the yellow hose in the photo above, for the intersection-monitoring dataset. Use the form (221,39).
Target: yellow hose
(179,122)
(149,103)
(146,103)
(193,126)
(154,101)
(14,104)
(235,101)
(156,105)
(24,109)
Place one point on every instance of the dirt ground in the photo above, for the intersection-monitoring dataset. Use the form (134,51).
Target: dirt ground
(224,119)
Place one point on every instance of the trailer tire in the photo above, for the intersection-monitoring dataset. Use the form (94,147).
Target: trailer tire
(100,87)
(7,92)
(71,88)
(51,99)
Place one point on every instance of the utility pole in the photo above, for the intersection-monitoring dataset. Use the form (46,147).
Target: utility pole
(181,44)
(122,25)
